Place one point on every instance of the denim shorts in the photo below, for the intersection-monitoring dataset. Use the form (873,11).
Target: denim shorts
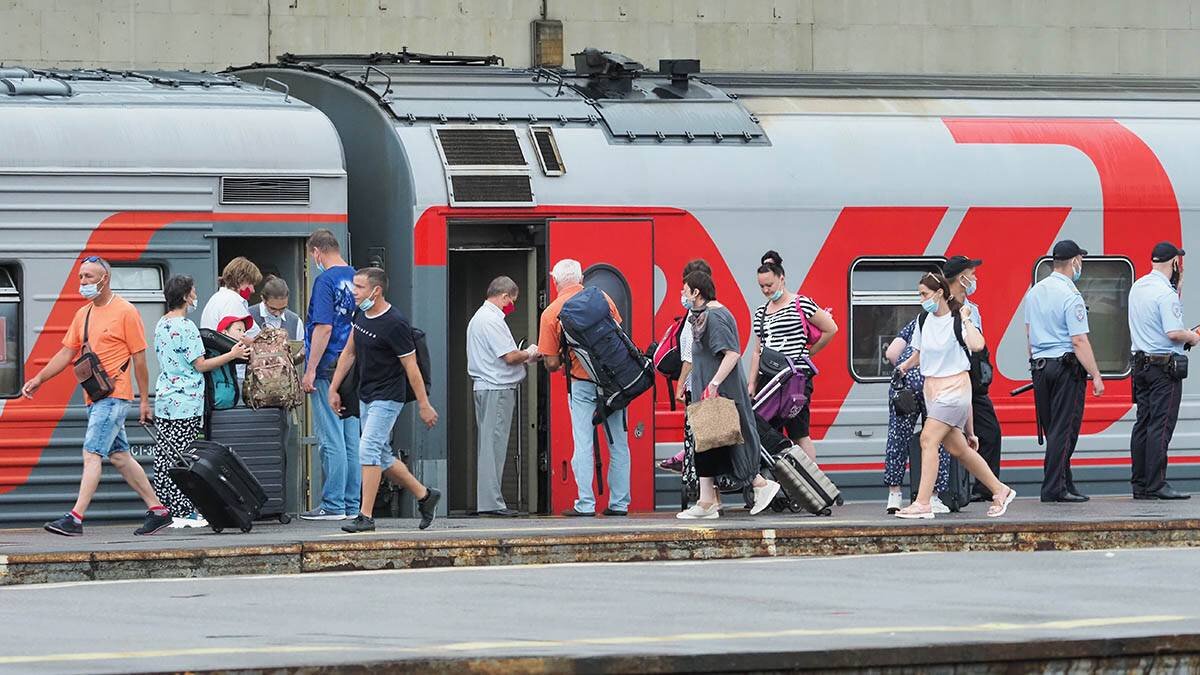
(375,445)
(106,427)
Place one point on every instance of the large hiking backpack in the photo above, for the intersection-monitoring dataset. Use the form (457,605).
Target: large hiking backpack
(271,379)
(418,337)
(668,356)
(590,334)
(220,385)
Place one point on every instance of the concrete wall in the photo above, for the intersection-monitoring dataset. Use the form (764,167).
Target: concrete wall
(1135,37)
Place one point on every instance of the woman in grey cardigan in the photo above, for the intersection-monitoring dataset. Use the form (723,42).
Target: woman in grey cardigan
(716,371)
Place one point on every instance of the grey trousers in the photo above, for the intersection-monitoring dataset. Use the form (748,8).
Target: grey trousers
(493,419)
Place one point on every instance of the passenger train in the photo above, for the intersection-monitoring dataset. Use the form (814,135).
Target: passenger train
(458,169)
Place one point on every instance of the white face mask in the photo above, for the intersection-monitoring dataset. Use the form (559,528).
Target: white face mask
(192,305)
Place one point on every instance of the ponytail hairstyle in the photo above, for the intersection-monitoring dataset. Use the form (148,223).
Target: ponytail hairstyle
(934,281)
(771,262)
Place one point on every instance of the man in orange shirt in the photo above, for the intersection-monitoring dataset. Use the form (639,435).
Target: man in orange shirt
(568,280)
(115,335)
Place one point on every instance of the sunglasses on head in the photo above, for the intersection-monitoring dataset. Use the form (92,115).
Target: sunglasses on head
(92,259)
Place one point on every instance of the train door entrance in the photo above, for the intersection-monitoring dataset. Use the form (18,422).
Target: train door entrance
(478,253)
(618,257)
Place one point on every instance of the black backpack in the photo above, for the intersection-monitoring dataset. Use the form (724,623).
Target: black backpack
(418,337)
(980,369)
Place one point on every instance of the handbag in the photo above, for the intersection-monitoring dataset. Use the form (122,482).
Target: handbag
(89,372)
(904,400)
(715,423)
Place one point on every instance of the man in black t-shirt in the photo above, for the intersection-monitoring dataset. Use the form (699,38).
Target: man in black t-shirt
(381,345)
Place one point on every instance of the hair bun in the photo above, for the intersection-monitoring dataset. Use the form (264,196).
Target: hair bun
(772,257)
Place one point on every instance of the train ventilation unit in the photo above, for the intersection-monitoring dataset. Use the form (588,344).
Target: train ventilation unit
(264,190)
(484,165)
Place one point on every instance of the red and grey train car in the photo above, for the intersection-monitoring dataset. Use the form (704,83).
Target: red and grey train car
(460,169)
(160,173)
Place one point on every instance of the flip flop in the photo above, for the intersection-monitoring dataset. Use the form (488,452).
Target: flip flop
(997,510)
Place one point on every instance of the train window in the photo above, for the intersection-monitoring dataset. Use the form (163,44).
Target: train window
(1105,286)
(883,299)
(10,333)
(142,286)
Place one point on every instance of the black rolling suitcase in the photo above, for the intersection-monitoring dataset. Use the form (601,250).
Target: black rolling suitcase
(219,485)
(804,485)
(958,489)
(259,437)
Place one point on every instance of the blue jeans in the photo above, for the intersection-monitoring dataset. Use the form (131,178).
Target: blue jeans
(583,406)
(378,418)
(106,427)
(338,439)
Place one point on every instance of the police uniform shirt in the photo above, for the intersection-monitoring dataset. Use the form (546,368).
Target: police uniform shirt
(1154,310)
(1055,312)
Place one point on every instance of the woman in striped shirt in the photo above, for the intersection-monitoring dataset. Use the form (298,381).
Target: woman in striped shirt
(779,324)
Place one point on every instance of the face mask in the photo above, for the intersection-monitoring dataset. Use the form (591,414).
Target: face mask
(1175,273)
(972,287)
(1077,272)
(930,305)
(509,308)
(777,295)
(685,301)
(245,293)
(367,304)
(89,291)
(192,305)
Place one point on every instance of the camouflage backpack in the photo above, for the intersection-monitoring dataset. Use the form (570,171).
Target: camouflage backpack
(271,379)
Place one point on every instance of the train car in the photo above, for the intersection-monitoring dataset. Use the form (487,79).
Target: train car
(461,169)
(160,173)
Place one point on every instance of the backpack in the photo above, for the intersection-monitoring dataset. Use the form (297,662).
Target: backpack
(620,372)
(220,385)
(418,338)
(668,356)
(980,370)
(271,379)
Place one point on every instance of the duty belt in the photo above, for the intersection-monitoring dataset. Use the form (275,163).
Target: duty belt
(1144,359)
(1068,359)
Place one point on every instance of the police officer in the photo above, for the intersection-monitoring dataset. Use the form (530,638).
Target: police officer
(1159,366)
(1060,358)
(959,270)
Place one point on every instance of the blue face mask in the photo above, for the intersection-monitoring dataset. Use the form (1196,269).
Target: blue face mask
(683,300)
(367,304)
(777,295)
(971,289)
(89,291)
(1076,272)
(930,305)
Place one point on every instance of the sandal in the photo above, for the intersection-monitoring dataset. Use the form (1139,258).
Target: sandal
(1000,506)
(916,511)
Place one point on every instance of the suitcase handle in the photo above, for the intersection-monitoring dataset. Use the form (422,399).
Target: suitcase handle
(152,429)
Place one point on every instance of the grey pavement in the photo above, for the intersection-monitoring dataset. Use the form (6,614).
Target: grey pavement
(813,606)
(862,514)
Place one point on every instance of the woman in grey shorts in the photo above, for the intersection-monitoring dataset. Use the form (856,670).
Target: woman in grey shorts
(941,354)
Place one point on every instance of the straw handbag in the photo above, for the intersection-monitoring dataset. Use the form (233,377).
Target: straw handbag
(715,423)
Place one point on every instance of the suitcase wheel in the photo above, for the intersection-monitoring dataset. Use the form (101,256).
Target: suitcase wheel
(218,530)
(826,511)
(284,518)
(245,529)
(839,501)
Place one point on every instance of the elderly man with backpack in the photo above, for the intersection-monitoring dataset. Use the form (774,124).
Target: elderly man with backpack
(581,331)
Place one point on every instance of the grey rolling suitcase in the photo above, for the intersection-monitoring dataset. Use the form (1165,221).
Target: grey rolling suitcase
(806,486)
(259,437)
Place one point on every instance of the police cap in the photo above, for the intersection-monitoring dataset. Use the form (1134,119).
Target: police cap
(958,264)
(1164,251)
(1067,249)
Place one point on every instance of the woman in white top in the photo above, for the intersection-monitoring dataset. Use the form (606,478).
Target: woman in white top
(238,280)
(940,345)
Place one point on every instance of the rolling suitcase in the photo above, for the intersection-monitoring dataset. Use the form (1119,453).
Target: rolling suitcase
(259,437)
(219,485)
(958,488)
(805,485)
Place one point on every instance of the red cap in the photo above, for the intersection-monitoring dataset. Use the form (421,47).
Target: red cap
(224,323)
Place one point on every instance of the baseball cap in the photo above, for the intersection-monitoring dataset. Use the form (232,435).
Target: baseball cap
(1067,249)
(958,264)
(1164,251)
(224,323)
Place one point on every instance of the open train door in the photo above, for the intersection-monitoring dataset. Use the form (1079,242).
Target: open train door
(618,257)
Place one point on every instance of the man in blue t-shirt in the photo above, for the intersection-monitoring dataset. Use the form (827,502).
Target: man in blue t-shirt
(326,330)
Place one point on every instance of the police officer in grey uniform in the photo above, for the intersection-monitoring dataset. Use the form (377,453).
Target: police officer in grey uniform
(1158,337)
(1060,358)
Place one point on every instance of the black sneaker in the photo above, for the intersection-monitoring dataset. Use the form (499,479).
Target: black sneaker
(428,507)
(66,526)
(154,523)
(360,523)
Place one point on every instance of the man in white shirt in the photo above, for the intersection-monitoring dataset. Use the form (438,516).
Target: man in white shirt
(496,367)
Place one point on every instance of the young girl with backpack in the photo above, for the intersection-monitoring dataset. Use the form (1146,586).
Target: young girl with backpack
(793,325)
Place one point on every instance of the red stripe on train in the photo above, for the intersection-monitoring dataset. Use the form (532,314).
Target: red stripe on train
(26,426)
(837,467)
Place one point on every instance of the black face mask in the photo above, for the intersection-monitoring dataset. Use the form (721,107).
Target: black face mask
(1175,275)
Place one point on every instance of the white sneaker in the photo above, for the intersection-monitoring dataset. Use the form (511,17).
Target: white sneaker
(936,505)
(895,502)
(177,523)
(763,496)
(697,512)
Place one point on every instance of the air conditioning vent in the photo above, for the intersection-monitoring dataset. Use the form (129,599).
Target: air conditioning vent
(491,190)
(547,149)
(263,190)
(492,147)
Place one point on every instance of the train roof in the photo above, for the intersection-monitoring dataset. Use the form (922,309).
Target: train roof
(186,122)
